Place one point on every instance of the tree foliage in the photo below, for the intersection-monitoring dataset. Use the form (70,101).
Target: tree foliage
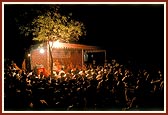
(52,26)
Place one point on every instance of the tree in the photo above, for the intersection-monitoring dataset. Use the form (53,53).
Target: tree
(52,26)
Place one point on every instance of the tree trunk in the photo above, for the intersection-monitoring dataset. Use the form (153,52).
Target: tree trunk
(51,62)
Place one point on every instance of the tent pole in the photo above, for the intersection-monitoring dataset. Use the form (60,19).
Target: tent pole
(82,57)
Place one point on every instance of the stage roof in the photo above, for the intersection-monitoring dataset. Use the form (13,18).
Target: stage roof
(69,46)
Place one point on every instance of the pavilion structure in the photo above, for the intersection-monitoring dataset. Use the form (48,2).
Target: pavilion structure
(64,54)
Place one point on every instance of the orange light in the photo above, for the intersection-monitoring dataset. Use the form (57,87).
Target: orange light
(29,55)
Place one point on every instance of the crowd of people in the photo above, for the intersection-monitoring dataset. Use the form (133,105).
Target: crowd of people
(108,87)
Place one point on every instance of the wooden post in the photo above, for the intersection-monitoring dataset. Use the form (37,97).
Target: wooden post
(82,58)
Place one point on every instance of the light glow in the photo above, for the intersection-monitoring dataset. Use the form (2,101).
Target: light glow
(56,44)
(41,50)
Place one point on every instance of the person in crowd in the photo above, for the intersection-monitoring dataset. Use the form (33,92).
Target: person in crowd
(110,87)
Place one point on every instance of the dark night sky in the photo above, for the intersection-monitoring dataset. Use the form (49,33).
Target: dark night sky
(126,31)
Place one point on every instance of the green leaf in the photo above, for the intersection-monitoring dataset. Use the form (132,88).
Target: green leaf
(53,26)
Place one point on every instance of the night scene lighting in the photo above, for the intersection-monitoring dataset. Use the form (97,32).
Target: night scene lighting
(95,57)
